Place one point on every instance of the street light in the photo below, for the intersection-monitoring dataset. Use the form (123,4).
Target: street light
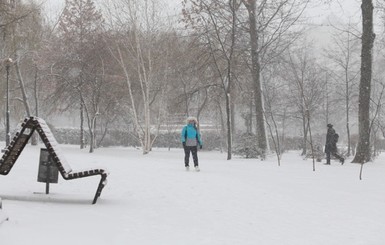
(7,62)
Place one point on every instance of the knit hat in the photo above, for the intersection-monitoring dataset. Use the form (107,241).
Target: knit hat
(192,119)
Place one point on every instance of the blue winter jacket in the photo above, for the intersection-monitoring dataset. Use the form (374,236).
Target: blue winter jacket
(190,134)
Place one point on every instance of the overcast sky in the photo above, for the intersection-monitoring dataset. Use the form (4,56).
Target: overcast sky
(53,7)
(343,9)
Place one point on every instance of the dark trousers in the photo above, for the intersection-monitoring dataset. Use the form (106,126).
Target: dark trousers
(334,153)
(194,152)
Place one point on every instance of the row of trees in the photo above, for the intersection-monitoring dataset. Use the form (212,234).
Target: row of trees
(239,65)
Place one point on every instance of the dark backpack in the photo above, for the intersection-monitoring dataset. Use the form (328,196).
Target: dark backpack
(335,138)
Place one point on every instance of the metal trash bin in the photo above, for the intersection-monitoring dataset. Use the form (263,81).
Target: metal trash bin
(48,171)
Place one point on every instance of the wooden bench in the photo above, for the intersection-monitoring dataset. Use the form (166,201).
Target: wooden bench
(19,141)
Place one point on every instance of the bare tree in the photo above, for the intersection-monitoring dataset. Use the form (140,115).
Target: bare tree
(25,39)
(363,148)
(217,21)
(78,28)
(267,23)
(344,58)
(306,86)
(274,108)
(137,51)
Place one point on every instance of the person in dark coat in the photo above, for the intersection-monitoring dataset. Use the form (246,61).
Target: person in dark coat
(191,138)
(331,145)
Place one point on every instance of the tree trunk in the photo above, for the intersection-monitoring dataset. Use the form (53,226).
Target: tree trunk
(228,122)
(363,147)
(222,123)
(256,76)
(347,102)
(24,95)
(304,128)
(35,138)
(144,74)
(81,126)
(22,89)
(250,116)
(36,94)
(92,134)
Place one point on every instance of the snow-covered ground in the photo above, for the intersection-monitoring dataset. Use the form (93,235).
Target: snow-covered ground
(151,199)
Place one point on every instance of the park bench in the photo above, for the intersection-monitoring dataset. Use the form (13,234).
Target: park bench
(19,141)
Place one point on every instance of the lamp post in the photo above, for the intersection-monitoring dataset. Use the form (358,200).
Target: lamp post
(7,62)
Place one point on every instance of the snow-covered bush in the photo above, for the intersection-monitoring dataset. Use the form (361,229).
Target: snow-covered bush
(246,146)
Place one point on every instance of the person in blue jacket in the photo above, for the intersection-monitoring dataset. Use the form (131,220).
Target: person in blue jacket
(191,139)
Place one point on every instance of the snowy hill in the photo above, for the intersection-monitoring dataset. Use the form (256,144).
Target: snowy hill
(151,199)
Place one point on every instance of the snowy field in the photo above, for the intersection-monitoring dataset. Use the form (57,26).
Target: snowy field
(151,199)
